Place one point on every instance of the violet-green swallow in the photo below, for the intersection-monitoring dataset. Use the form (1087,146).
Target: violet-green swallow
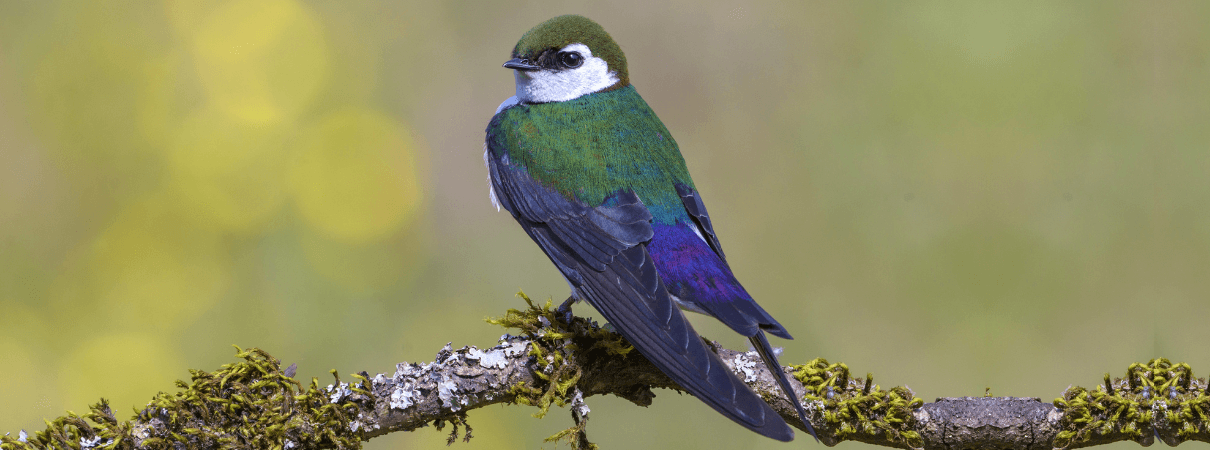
(594,177)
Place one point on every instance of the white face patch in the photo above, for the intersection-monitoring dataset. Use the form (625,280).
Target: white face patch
(542,86)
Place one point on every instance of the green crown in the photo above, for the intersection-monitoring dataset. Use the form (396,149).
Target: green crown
(562,31)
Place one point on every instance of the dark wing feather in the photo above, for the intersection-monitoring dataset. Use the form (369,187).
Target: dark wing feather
(599,250)
(739,314)
(743,315)
(693,204)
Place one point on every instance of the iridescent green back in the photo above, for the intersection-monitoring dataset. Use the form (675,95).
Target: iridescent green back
(591,147)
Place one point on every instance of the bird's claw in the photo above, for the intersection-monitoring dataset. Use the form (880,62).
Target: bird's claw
(563,312)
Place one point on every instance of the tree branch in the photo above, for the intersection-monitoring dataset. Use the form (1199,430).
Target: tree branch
(255,404)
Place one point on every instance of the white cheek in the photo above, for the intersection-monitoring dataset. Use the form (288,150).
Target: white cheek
(544,86)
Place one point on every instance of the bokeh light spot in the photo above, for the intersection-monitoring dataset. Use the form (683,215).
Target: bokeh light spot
(364,268)
(18,374)
(227,172)
(186,16)
(127,368)
(356,177)
(153,269)
(164,99)
(261,62)
(85,89)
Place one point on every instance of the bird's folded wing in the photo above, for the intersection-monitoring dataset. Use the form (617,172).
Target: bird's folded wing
(696,209)
(600,251)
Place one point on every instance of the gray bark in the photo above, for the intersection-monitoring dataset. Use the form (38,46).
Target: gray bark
(459,380)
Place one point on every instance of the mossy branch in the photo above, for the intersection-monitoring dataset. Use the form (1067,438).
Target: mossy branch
(256,404)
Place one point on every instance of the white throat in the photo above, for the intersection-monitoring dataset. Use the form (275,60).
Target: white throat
(542,86)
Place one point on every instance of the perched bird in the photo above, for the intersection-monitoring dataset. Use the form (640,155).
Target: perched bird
(594,177)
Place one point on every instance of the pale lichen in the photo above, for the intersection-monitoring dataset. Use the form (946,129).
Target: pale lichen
(247,405)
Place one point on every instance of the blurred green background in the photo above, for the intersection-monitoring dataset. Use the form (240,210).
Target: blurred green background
(953,196)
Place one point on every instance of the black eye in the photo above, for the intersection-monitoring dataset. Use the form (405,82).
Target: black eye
(570,60)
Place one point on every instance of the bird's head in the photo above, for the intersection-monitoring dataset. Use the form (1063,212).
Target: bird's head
(565,58)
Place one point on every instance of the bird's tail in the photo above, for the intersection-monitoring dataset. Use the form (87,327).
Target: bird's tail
(766,353)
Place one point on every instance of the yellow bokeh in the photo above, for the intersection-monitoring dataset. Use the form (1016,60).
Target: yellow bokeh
(363,268)
(495,428)
(228,172)
(261,62)
(162,101)
(186,16)
(19,370)
(151,269)
(355,177)
(85,89)
(125,368)
(181,175)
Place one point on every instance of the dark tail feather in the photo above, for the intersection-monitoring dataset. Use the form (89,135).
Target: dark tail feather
(766,353)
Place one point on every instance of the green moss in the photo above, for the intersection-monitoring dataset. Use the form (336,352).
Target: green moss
(575,436)
(457,419)
(562,31)
(543,324)
(554,345)
(855,406)
(247,405)
(1124,405)
(549,349)
(99,426)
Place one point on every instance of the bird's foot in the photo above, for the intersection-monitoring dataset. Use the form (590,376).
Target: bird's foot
(563,312)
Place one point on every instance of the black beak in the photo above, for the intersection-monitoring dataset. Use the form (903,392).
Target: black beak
(520,64)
